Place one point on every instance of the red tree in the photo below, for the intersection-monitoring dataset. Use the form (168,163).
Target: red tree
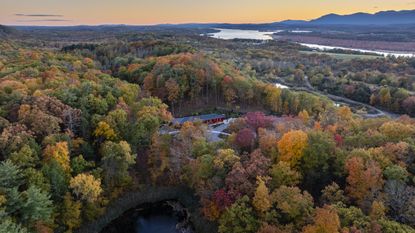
(245,138)
(222,199)
(257,120)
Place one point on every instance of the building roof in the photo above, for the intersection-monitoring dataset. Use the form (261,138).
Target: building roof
(205,117)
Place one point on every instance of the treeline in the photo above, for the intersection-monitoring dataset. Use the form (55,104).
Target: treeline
(188,78)
(111,56)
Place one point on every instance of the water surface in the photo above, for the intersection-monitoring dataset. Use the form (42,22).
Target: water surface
(157,224)
(152,218)
(383,53)
(230,34)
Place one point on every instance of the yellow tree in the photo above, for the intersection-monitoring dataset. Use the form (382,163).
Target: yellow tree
(225,159)
(60,153)
(396,131)
(86,187)
(105,131)
(291,146)
(326,220)
(385,97)
(377,211)
(273,98)
(304,116)
(344,113)
(262,199)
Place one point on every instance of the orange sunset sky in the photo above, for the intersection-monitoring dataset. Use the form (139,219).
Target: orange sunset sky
(139,12)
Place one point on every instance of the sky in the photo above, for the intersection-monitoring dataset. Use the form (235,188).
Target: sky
(147,12)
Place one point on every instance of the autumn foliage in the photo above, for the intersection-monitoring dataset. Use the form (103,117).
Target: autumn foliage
(291,146)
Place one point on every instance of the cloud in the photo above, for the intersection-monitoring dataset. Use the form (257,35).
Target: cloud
(42,20)
(38,15)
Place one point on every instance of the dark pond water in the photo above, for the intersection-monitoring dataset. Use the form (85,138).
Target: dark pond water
(151,218)
(157,224)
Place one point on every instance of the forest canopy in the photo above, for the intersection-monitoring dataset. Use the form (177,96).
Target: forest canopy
(82,125)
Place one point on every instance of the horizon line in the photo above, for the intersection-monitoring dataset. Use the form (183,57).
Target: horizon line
(185,23)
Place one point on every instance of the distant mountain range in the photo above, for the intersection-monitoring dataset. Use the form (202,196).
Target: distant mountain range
(380,18)
(389,19)
(6,31)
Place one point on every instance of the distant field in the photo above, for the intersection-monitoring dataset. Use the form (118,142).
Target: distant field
(343,56)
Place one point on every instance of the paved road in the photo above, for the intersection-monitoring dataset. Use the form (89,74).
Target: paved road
(215,132)
(378,112)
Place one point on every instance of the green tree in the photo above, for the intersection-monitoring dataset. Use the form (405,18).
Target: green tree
(224,160)
(57,177)
(79,165)
(295,206)
(395,227)
(25,157)
(8,226)
(315,163)
(283,174)
(116,159)
(332,194)
(396,172)
(37,206)
(238,218)
(36,177)
(10,176)
(70,213)
(352,217)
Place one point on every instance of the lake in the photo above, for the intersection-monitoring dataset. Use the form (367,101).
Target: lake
(229,34)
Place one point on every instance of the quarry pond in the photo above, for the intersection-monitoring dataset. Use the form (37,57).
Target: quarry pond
(161,217)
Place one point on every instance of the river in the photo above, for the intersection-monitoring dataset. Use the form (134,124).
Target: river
(383,53)
(229,34)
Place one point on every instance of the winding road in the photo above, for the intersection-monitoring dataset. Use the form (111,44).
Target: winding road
(309,88)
